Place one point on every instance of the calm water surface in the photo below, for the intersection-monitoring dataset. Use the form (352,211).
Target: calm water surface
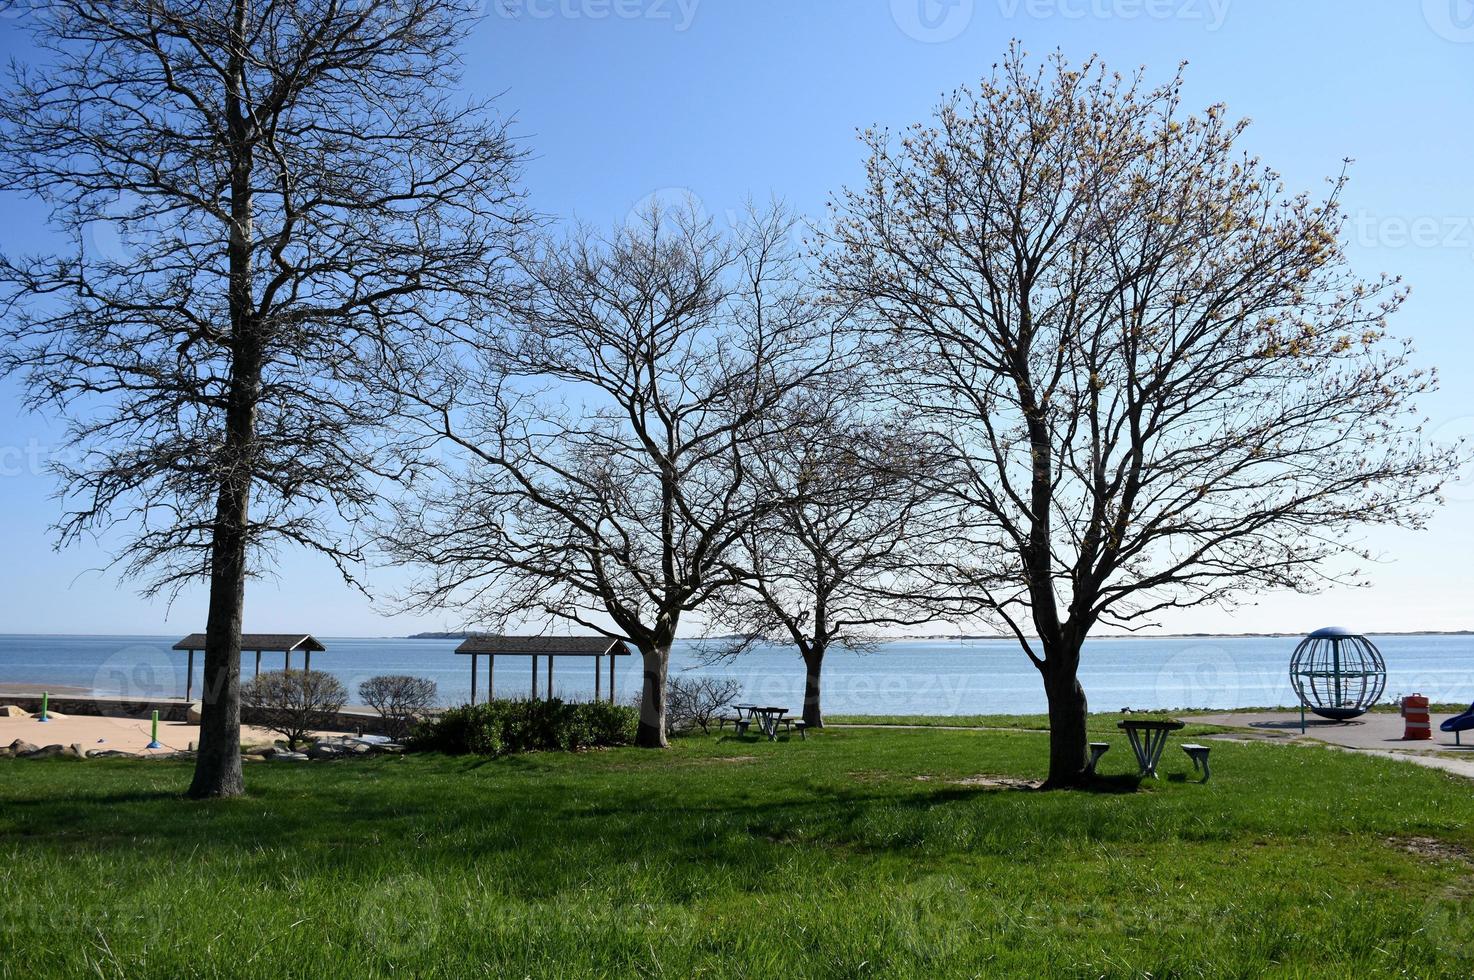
(933,677)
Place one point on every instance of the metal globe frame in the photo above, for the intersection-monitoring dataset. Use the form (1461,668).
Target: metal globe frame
(1338,674)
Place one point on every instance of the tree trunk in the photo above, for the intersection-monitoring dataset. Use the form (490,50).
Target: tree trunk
(1068,748)
(813,663)
(218,764)
(651,733)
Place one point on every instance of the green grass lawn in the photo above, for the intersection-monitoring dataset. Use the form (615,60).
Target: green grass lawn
(855,853)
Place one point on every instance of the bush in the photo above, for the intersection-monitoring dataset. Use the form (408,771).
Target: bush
(400,700)
(293,703)
(693,702)
(505,727)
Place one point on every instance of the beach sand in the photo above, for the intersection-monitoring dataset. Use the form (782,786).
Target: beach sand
(95,734)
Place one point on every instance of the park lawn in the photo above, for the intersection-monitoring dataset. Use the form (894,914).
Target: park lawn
(860,852)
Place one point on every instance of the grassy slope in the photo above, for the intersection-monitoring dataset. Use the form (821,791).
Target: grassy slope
(827,857)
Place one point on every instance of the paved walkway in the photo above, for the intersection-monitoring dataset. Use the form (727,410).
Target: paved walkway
(1376,733)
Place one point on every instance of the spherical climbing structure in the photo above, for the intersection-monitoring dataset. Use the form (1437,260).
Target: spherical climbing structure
(1337,674)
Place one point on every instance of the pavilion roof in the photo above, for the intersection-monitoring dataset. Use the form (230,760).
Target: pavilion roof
(263,642)
(537,646)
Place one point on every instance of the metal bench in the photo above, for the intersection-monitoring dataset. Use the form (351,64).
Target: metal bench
(1097,749)
(1199,755)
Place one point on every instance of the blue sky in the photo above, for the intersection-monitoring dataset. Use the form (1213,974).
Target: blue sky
(621,99)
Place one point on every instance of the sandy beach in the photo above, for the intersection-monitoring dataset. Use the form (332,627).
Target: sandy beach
(97,734)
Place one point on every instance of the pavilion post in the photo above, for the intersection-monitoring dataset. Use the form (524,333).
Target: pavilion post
(287,656)
(189,678)
(473,679)
(611,676)
(490,676)
(258,663)
(550,677)
(534,677)
(307,657)
(598,673)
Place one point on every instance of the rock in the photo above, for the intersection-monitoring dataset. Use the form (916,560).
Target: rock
(253,757)
(110,754)
(76,751)
(44,752)
(194,713)
(327,749)
(13,711)
(20,747)
(51,716)
(281,756)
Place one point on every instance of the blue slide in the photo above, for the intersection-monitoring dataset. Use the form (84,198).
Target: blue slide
(1459,723)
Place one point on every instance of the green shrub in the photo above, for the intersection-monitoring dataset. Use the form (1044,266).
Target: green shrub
(505,727)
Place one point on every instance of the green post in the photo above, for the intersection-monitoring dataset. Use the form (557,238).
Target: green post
(45,706)
(154,737)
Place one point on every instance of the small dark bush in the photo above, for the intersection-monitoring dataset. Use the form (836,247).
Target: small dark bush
(399,699)
(505,727)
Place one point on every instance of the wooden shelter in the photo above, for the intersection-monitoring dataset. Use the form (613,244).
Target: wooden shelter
(283,643)
(492,647)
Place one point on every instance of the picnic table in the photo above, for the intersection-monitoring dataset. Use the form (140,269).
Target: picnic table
(1147,739)
(768,717)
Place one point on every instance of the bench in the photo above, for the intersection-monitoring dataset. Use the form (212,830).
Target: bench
(1199,755)
(795,724)
(1097,749)
(738,722)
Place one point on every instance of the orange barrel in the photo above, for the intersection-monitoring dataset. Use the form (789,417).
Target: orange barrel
(1415,715)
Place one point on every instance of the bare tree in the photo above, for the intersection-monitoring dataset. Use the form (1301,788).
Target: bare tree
(400,700)
(300,203)
(842,554)
(1163,382)
(294,703)
(693,702)
(608,433)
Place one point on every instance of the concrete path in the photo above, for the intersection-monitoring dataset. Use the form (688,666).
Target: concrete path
(1377,733)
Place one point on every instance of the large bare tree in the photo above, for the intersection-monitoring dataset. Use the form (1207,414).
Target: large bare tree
(607,432)
(844,552)
(299,201)
(1164,383)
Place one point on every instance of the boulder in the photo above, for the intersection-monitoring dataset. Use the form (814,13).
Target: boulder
(44,752)
(76,751)
(50,715)
(110,754)
(330,749)
(283,756)
(13,711)
(193,714)
(21,747)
